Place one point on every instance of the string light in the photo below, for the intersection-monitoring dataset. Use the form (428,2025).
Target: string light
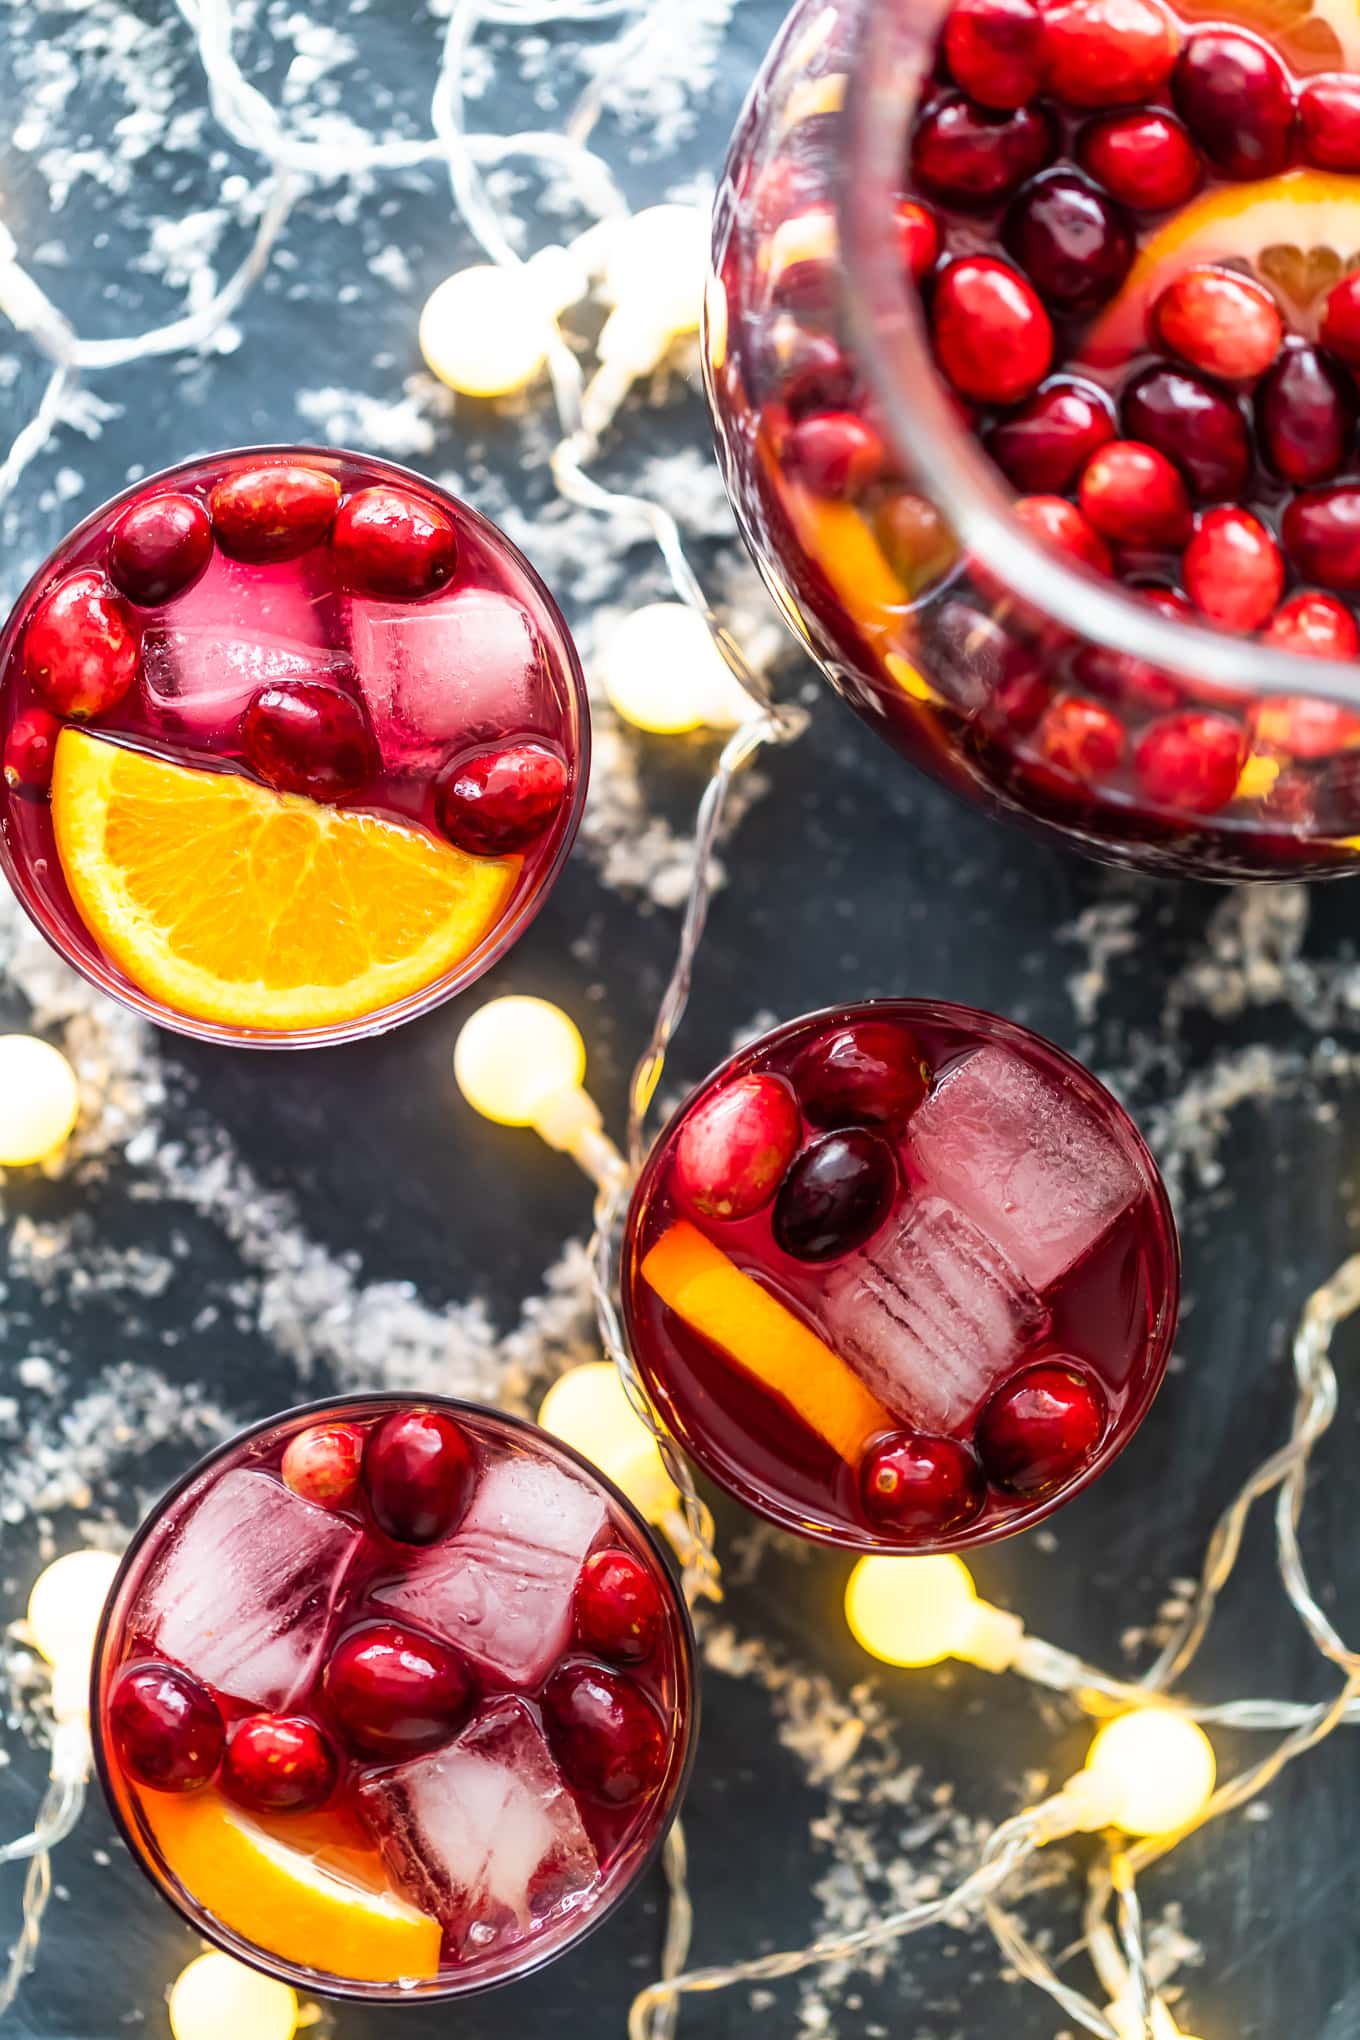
(916,1611)
(66,1603)
(486,331)
(1150,1772)
(589,1408)
(217,1998)
(663,673)
(39,1100)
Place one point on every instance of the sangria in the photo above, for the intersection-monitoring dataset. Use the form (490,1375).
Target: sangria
(902,1276)
(1033,341)
(394,1700)
(293,745)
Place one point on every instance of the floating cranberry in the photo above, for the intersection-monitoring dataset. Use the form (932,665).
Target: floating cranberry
(870,1073)
(501,801)
(1304,726)
(971,657)
(305,736)
(390,543)
(1190,762)
(1220,322)
(165,1727)
(1321,533)
(835,1196)
(1133,683)
(1341,320)
(995,50)
(1329,122)
(1145,160)
(273,512)
(418,1475)
(158,547)
(1198,427)
(1062,528)
(918,544)
(1042,1427)
(618,1606)
(1234,95)
(802,369)
(836,453)
(30,750)
(912,1485)
(1318,626)
(278,1763)
(1046,444)
(1070,239)
(1232,569)
(1081,737)
(1108,52)
(322,1464)
(395,1692)
(1305,411)
(992,336)
(80,649)
(973,156)
(734,1147)
(1133,495)
(605,1733)
(918,237)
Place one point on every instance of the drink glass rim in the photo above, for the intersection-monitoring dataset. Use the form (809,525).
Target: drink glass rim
(321,1982)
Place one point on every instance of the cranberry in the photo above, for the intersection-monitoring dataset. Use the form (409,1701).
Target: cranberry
(1198,427)
(418,1475)
(835,1196)
(971,657)
(918,237)
(501,801)
(1062,528)
(165,1727)
(1305,410)
(835,453)
(1070,239)
(1018,703)
(80,649)
(1233,570)
(1108,52)
(619,1609)
(30,750)
(1145,160)
(1318,626)
(992,335)
(1132,494)
(1234,95)
(1220,322)
(305,736)
(1329,122)
(395,1692)
(1190,762)
(273,512)
(1341,320)
(322,1464)
(389,543)
(605,1733)
(870,1073)
(1041,1427)
(158,547)
(1047,443)
(279,1763)
(734,1147)
(912,1485)
(1321,533)
(995,49)
(802,369)
(1303,726)
(974,156)
(1134,683)
(1081,737)
(919,546)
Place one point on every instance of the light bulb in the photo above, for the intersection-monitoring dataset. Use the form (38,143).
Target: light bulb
(217,1998)
(66,1604)
(39,1100)
(516,1054)
(916,1611)
(588,1407)
(658,260)
(1150,1772)
(486,331)
(662,672)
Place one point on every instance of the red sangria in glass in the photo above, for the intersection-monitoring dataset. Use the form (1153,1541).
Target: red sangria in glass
(293,746)
(394,1700)
(902,1276)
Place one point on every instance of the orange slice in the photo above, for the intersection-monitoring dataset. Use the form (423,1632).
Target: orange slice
(234,904)
(731,1310)
(332,1911)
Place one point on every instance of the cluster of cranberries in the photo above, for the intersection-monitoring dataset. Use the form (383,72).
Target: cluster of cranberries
(82,648)
(742,1149)
(388,1692)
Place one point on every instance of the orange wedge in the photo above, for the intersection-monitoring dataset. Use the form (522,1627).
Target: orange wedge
(329,1910)
(234,904)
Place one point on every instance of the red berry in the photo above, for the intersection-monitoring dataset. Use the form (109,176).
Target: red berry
(1341,320)
(392,544)
(804,274)
(1133,495)
(1329,122)
(1145,160)
(395,1692)
(992,336)
(1232,569)
(30,750)
(1305,413)
(835,453)
(995,49)
(1220,322)
(1062,528)
(1108,52)
(305,736)
(166,1731)
(418,1475)
(1134,684)
(501,801)
(1318,626)
(1198,427)
(1046,444)
(918,237)
(80,648)
(804,370)
(972,659)
(1321,533)
(278,1763)
(915,1486)
(1304,727)
(158,547)
(869,1073)
(1234,95)
(273,512)
(1081,737)
(619,1610)
(836,1195)
(1043,1426)
(1190,762)
(973,156)
(322,1464)
(734,1147)
(605,1733)
(1070,239)
(919,545)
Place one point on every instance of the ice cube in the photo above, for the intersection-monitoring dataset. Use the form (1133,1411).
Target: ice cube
(202,681)
(501,1588)
(932,1317)
(484,1834)
(246,1595)
(1026,1158)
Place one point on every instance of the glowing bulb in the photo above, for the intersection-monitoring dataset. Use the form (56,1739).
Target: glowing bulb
(39,1100)
(663,673)
(486,331)
(66,1604)
(915,1611)
(658,260)
(514,1056)
(217,1998)
(1150,1772)
(589,1408)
